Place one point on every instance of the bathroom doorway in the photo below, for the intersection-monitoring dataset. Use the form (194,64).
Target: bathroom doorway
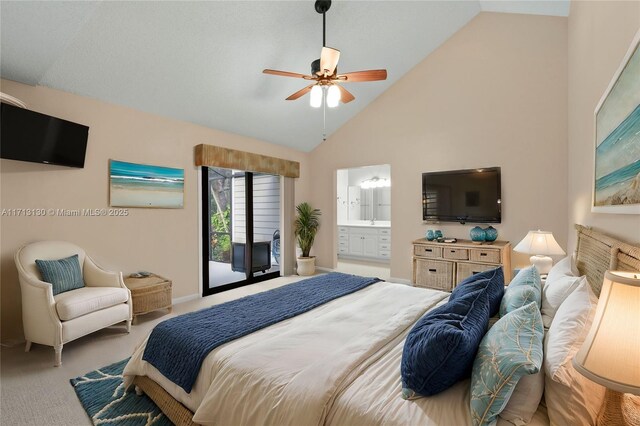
(364,220)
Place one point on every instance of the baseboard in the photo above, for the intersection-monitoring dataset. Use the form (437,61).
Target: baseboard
(187,298)
(323,269)
(10,343)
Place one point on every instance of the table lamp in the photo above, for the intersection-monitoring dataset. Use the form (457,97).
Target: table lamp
(541,245)
(610,354)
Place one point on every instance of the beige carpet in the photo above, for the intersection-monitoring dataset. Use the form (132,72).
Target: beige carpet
(33,392)
(364,268)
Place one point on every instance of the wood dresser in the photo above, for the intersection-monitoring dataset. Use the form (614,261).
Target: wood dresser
(442,266)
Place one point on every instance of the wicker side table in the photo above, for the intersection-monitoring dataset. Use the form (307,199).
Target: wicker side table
(149,293)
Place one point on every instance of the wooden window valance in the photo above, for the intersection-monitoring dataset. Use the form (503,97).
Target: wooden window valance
(216,156)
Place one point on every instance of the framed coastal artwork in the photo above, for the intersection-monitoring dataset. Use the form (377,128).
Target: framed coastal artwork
(616,182)
(141,185)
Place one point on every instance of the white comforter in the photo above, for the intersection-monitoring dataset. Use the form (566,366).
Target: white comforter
(338,364)
(290,373)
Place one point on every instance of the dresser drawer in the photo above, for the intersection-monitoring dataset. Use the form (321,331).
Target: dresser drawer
(385,254)
(455,253)
(484,255)
(343,250)
(343,243)
(343,230)
(436,274)
(465,270)
(384,246)
(427,251)
(384,238)
(343,237)
(385,231)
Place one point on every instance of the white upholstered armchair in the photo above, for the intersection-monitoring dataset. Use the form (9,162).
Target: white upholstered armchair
(55,320)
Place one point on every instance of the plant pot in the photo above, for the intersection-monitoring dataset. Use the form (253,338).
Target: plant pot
(306,266)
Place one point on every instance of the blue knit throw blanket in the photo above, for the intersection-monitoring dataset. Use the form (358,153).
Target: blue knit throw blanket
(178,346)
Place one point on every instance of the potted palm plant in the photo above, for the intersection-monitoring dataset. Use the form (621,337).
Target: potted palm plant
(305,227)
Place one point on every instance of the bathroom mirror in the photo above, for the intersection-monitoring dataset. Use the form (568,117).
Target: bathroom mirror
(364,194)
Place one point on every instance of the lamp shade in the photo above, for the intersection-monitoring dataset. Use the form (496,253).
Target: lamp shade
(539,243)
(610,354)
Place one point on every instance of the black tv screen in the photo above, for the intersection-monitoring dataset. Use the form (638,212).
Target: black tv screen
(462,196)
(30,136)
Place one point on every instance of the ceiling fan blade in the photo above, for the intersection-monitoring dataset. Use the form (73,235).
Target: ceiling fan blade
(329,60)
(345,95)
(288,74)
(300,93)
(358,76)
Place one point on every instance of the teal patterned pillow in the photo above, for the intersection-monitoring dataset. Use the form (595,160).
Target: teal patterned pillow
(512,348)
(63,274)
(526,287)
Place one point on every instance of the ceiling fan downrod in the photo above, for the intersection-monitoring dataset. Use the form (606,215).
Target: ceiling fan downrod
(322,6)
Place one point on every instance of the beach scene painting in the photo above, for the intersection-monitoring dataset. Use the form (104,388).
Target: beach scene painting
(617,153)
(140,185)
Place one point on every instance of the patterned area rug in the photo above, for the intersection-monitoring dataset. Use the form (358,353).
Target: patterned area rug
(105,400)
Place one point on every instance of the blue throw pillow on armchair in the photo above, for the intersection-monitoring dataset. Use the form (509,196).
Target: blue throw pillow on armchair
(440,349)
(492,281)
(63,274)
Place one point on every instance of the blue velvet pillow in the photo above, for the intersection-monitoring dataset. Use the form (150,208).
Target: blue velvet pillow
(526,287)
(440,349)
(492,281)
(63,274)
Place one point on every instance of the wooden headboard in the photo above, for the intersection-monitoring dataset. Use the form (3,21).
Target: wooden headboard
(597,253)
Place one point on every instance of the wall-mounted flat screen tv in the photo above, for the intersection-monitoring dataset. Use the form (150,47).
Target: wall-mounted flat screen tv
(462,196)
(30,136)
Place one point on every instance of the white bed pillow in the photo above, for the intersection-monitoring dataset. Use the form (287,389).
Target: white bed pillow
(575,404)
(554,292)
(523,402)
(570,397)
(568,331)
(564,268)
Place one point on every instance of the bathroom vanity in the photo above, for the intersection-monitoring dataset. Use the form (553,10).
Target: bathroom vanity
(361,240)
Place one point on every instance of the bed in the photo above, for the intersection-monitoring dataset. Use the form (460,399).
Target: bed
(312,369)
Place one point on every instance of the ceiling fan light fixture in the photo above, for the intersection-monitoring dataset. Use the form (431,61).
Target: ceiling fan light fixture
(324,73)
(333,96)
(315,99)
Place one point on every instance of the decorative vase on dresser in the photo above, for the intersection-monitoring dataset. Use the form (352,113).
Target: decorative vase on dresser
(490,234)
(477,235)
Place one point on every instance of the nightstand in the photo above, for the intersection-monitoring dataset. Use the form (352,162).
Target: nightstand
(149,294)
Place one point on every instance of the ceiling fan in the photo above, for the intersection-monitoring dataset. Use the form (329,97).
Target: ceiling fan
(324,72)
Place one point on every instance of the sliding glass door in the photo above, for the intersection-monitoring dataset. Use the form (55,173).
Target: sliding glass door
(241,228)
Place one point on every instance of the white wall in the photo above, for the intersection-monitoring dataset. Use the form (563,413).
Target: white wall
(600,32)
(342,196)
(159,240)
(494,94)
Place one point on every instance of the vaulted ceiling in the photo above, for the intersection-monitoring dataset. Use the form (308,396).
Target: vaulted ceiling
(202,61)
